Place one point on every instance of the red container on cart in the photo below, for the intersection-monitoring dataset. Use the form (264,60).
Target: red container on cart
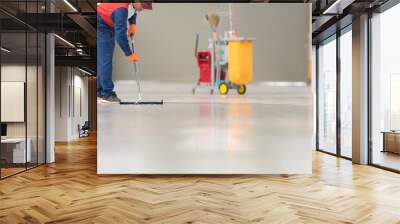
(204,63)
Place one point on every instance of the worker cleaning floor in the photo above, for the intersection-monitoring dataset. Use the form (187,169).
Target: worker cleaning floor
(189,96)
(267,131)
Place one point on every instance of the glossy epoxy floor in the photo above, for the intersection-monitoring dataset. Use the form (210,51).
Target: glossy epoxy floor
(267,131)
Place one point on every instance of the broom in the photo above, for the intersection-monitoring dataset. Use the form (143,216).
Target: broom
(213,20)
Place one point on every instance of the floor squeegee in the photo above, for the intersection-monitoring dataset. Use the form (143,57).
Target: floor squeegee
(136,74)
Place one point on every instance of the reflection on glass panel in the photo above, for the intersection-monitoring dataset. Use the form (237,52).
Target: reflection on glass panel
(22,88)
(41,99)
(346,93)
(327,96)
(31,101)
(386,89)
(14,153)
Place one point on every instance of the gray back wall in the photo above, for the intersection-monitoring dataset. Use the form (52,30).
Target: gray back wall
(166,37)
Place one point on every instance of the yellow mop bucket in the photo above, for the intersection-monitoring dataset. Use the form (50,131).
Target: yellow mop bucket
(240,61)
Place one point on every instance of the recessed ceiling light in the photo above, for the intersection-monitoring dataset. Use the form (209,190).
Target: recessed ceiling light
(70,5)
(65,41)
(5,50)
(84,71)
(337,7)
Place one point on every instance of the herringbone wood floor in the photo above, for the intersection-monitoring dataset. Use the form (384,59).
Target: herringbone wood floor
(69,191)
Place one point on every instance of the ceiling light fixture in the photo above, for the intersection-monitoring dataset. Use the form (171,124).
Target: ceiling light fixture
(65,41)
(70,5)
(84,71)
(5,50)
(326,11)
(337,7)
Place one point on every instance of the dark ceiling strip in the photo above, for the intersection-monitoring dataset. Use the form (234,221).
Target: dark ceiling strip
(385,6)
(84,24)
(17,19)
(91,5)
(331,30)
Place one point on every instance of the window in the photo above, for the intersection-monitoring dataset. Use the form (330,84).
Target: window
(327,96)
(346,93)
(385,89)
(335,138)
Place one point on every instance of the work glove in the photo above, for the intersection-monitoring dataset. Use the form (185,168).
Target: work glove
(132,30)
(133,57)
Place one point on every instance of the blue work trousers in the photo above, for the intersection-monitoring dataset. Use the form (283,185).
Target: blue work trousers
(105,51)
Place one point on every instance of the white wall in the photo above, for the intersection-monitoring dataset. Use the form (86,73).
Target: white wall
(14,73)
(13,101)
(17,73)
(166,39)
(80,110)
(71,96)
(62,82)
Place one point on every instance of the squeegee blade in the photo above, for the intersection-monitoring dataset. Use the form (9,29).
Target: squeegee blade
(143,103)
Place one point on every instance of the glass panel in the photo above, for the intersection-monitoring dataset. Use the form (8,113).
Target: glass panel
(313,87)
(386,89)
(32,99)
(346,93)
(32,87)
(23,82)
(41,99)
(13,87)
(327,96)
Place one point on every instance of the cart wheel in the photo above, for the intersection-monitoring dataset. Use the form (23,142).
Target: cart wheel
(241,89)
(223,88)
(194,91)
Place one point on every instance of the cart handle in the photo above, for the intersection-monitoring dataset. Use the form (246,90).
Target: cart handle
(196,48)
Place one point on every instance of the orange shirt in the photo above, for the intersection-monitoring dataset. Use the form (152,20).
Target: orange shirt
(105,11)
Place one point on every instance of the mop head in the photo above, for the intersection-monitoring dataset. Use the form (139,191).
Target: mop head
(213,20)
(143,103)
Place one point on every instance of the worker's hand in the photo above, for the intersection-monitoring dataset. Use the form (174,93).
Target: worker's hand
(133,57)
(138,6)
(132,30)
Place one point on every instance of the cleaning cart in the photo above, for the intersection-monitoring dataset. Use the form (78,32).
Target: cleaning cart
(240,66)
(228,63)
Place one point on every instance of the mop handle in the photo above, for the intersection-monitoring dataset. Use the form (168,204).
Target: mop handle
(136,72)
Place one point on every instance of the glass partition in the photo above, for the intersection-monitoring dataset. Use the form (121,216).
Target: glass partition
(22,89)
(32,98)
(41,108)
(327,96)
(14,152)
(385,89)
(346,93)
